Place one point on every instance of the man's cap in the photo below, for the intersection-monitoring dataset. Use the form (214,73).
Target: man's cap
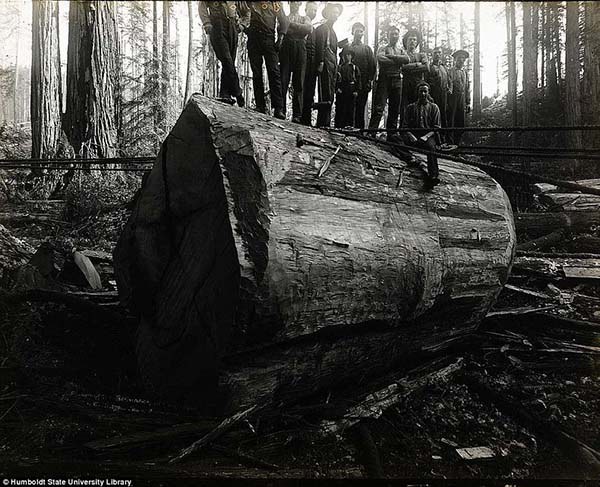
(410,33)
(460,51)
(357,25)
(329,7)
(422,83)
(438,48)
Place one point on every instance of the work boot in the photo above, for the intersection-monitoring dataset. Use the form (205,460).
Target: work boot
(296,120)
(261,110)
(240,100)
(279,114)
(229,101)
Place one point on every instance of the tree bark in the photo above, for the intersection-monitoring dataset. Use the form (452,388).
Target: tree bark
(236,242)
(477,64)
(190,59)
(45,81)
(529,64)
(90,118)
(512,61)
(573,66)
(165,65)
(591,64)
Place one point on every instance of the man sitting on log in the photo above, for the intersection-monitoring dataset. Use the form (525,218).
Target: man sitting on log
(264,18)
(222,25)
(424,115)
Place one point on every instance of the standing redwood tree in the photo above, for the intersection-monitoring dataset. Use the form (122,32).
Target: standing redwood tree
(511,36)
(477,64)
(92,77)
(572,107)
(591,73)
(45,80)
(188,77)
(529,63)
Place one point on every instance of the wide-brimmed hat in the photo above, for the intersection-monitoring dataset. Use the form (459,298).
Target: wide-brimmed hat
(411,32)
(460,51)
(328,6)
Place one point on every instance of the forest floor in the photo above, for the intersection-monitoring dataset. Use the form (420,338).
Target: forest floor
(68,380)
(527,385)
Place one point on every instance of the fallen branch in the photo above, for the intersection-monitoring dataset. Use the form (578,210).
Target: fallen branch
(224,426)
(527,292)
(147,438)
(375,404)
(517,311)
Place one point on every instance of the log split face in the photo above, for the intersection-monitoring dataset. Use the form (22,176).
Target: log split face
(236,243)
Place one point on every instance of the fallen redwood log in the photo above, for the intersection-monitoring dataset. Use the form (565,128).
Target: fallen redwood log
(263,264)
(538,224)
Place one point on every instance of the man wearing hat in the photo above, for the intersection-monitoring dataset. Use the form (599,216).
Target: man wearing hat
(348,86)
(424,115)
(365,61)
(459,101)
(293,58)
(439,82)
(310,76)
(264,17)
(222,24)
(414,71)
(388,88)
(326,45)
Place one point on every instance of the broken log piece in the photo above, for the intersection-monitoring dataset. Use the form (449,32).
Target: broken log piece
(375,404)
(543,242)
(14,253)
(236,243)
(564,200)
(538,224)
(558,268)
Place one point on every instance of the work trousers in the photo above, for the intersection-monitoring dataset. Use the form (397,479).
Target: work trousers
(224,40)
(344,109)
(359,109)
(456,116)
(432,162)
(293,65)
(308,91)
(387,90)
(262,45)
(326,90)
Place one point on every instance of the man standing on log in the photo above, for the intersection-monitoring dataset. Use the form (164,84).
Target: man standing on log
(310,75)
(424,115)
(326,45)
(440,83)
(348,87)
(459,102)
(293,58)
(365,61)
(264,18)
(388,88)
(222,25)
(414,71)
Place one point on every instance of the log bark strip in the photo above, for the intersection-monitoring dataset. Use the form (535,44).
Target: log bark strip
(235,242)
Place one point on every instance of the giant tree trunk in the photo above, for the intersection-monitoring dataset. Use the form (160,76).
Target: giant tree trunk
(572,106)
(237,249)
(591,65)
(190,58)
(529,63)
(90,118)
(477,64)
(45,81)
